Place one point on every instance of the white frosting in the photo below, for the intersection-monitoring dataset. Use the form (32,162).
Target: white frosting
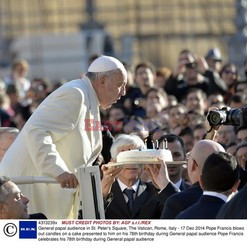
(146,155)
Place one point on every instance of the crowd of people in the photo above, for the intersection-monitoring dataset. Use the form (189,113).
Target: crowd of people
(52,129)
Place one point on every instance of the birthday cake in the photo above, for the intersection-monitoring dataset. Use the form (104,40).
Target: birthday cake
(146,155)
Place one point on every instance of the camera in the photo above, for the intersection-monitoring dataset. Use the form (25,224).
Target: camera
(191,65)
(228,116)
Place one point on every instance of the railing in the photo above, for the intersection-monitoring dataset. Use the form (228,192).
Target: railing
(90,189)
(33,179)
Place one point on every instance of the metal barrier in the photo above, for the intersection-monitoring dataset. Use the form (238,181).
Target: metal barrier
(90,189)
(90,192)
(33,179)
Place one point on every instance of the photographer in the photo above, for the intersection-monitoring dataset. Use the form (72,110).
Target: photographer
(196,75)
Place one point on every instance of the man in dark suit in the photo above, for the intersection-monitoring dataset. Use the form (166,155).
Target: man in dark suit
(13,204)
(236,208)
(126,196)
(177,148)
(182,200)
(219,179)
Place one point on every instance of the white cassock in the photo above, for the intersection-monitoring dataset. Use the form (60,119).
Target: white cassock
(55,140)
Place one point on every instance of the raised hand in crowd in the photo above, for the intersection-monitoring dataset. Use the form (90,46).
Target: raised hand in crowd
(202,65)
(211,130)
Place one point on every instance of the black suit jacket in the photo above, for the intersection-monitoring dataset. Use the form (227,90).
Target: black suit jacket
(148,203)
(38,216)
(180,201)
(243,178)
(236,208)
(206,208)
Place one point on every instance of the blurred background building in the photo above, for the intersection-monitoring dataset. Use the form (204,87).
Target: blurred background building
(57,37)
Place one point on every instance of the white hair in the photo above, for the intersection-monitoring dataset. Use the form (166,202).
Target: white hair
(126,140)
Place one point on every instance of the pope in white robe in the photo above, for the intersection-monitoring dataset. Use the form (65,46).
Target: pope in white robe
(57,138)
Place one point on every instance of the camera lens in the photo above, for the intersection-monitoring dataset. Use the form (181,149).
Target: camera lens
(215,118)
(191,65)
(234,117)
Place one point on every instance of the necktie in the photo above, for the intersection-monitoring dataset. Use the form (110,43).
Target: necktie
(130,195)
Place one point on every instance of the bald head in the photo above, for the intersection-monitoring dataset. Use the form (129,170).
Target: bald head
(7,137)
(202,149)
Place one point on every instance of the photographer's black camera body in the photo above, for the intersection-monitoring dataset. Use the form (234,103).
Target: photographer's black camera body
(228,116)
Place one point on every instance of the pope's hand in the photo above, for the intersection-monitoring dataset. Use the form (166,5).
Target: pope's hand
(67,180)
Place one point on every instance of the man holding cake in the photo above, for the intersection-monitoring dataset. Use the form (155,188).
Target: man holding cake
(176,145)
(128,197)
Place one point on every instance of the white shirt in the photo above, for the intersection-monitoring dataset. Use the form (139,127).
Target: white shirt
(123,186)
(178,184)
(215,194)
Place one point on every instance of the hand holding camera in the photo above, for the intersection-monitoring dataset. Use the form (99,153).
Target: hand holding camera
(228,116)
(202,65)
(180,68)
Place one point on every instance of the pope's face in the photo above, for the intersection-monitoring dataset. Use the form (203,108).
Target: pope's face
(113,89)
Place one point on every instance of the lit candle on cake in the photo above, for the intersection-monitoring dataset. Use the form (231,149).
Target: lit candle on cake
(164,144)
(145,142)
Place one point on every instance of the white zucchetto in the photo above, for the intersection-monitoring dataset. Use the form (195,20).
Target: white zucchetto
(104,64)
